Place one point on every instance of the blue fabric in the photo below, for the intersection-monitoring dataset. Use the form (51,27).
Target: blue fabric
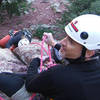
(15,39)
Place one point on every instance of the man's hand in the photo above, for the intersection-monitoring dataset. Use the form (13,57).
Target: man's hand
(35,62)
(49,40)
(34,65)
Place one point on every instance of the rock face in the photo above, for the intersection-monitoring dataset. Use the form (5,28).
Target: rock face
(28,52)
(19,59)
(9,62)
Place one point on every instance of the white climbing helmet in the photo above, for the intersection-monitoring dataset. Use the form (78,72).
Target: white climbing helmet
(23,42)
(85,30)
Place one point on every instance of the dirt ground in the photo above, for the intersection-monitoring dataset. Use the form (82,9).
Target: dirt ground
(43,14)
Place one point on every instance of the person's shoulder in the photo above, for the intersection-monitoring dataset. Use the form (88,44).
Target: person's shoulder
(58,67)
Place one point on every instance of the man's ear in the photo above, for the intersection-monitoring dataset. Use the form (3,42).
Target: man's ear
(89,53)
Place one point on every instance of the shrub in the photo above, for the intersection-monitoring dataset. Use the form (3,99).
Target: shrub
(95,7)
(39,32)
(13,7)
(79,7)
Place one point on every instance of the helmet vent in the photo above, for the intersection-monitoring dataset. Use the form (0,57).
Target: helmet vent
(84,35)
(84,42)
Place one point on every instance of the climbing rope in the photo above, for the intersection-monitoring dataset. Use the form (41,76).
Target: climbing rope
(1,98)
(41,63)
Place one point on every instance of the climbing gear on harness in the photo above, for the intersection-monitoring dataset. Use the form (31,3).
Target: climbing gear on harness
(85,30)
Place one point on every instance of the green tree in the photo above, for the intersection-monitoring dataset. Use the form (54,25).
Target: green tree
(12,7)
(79,7)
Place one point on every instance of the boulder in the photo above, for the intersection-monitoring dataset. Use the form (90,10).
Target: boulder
(20,58)
(27,52)
(9,62)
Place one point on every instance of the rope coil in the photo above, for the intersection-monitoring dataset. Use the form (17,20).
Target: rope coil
(41,63)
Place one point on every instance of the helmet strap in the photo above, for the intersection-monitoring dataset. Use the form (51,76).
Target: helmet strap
(83,52)
(80,59)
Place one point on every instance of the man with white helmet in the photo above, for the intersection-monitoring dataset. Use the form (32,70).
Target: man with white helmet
(79,79)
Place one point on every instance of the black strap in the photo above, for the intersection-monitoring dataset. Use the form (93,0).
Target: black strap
(80,59)
(83,52)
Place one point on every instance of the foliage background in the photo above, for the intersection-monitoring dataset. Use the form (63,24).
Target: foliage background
(79,7)
(75,8)
(13,8)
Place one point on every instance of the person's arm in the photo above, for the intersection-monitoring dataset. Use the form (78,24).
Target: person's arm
(10,83)
(42,82)
(38,83)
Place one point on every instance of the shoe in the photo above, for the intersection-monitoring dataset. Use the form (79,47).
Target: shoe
(27,34)
(11,33)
